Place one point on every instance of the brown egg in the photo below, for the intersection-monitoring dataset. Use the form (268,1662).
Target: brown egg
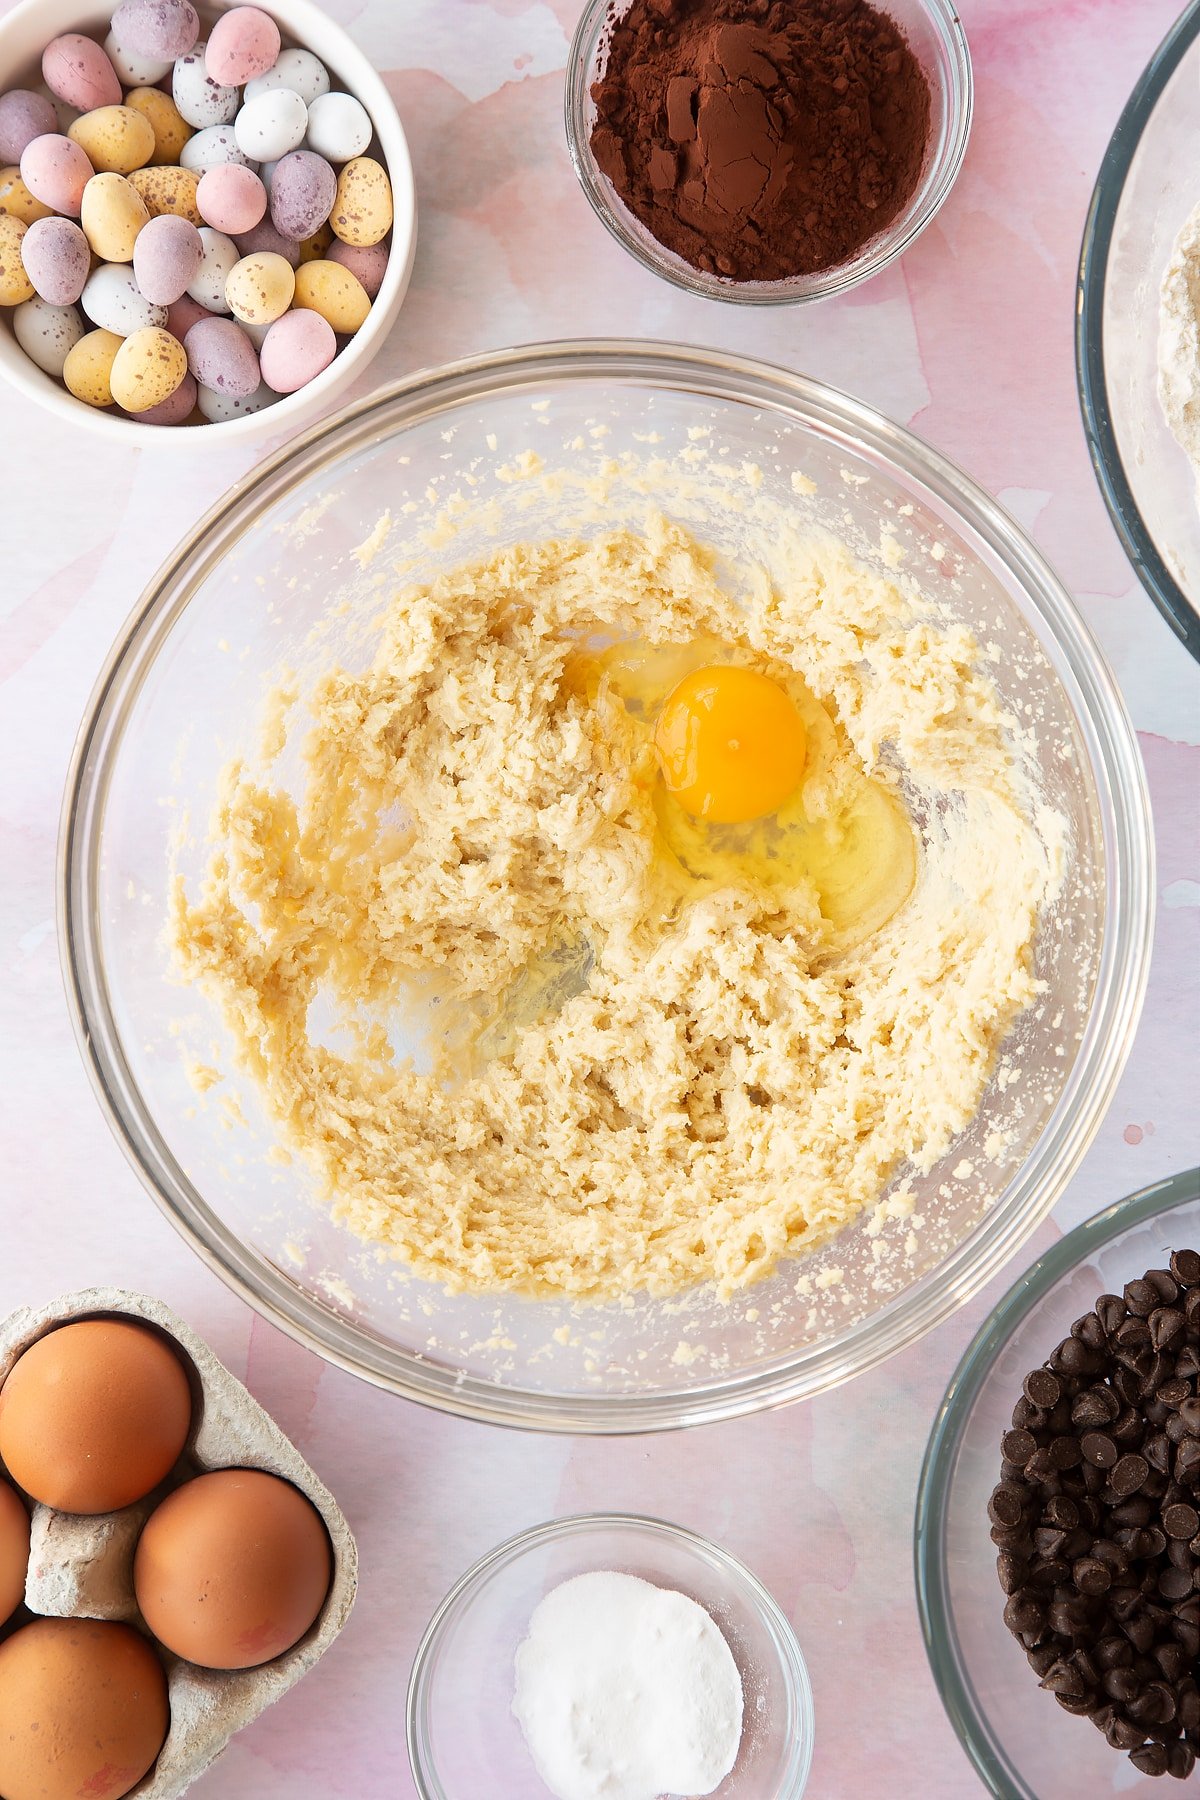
(83,1710)
(232,1569)
(14,1551)
(94,1415)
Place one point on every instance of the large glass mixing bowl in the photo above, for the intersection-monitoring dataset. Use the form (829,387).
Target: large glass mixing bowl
(274,563)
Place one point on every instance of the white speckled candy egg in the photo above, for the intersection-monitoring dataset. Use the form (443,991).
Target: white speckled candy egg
(147,369)
(303,190)
(219,258)
(215,145)
(88,367)
(339,127)
(113,301)
(299,70)
(217,408)
(163,28)
(260,288)
(58,260)
(201,100)
(166,257)
(231,198)
(76,70)
(47,334)
(243,44)
(221,357)
(112,215)
(362,210)
(296,349)
(267,128)
(56,171)
(134,70)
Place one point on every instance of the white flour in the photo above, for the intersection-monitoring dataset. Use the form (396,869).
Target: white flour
(1179,340)
(626,1691)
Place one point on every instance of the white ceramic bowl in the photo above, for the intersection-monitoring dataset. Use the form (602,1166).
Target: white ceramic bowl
(24,34)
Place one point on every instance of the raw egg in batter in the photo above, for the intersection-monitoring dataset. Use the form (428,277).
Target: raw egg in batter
(731,744)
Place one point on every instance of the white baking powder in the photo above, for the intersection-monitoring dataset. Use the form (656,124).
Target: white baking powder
(626,1691)
(1179,340)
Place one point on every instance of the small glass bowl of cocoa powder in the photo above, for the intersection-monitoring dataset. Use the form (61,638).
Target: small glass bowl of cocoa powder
(768,152)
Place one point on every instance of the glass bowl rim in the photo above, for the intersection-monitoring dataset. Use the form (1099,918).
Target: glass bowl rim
(1123,964)
(459,1597)
(890,244)
(1149,565)
(970,1723)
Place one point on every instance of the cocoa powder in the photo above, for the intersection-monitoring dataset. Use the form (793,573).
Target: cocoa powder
(760,139)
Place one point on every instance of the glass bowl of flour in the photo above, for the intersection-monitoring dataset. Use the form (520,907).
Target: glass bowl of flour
(250,1110)
(524,1658)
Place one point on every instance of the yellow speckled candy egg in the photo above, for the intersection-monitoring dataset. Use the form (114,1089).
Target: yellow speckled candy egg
(147,369)
(115,139)
(88,368)
(171,130)
(362,207)
(169,191)
(15,285)
(260,288)
(311,248)
(16,200)
(328,289)
(112,214)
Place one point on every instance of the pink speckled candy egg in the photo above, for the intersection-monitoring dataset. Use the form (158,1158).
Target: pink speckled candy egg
(243,43)
(296,349)
(366,261)
(56,171)
(221,357)
(162,29)
(167,254)
(24,115)
(303,189)
(183,313)
(176,409)
(231,198)
(57,260)
(264,237)
(76,70)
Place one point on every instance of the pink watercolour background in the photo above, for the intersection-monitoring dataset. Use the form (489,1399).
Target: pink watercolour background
(969,340)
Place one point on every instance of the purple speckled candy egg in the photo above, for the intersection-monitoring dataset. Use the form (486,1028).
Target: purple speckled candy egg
(243,43)
(24,116)
(303,189)
(221,356)
(231,198)
(56,171)
(183,313)
(162,29)
(176,409)
(366,261)
(265,237)
(76,70)
(296,349)
(57,260)
(167,254)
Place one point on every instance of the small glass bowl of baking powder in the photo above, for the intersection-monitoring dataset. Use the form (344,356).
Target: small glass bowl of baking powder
(935,35)
(463,1738)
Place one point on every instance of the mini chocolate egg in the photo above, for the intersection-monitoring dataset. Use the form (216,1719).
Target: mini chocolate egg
(56,171)
(176,409)
(313,248)
(267,128)
(260,288)
(166,257)
(303,190)
(221,357)
(115,139)
(133,70)
(112,215)
(201,100)
(295,350)
(327,288)
(218,408)
(265,237)
(362,209)
(47,334)
(96,1413)
(243,43)
(24,115)
(299,70)
(171,130)
(368,262)
(83,1710)
(232,1569)
(76,70)
(87,367)
(231,198)
(16,199)
(159,28)
(215,145)
(339,127)
(112,299)
(147,369)
(168,191)
(15,285)
(219,258)
(183,313)
(58,259)
(14,1551)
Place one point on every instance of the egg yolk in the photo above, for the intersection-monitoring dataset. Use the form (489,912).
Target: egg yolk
(730,744)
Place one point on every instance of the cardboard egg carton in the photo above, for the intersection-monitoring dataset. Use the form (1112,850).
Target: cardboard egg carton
(82,1567)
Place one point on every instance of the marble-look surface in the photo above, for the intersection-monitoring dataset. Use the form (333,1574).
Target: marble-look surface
(969,341)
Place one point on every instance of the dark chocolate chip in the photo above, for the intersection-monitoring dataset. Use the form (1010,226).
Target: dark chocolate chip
(1181,1521)
(1098,1449)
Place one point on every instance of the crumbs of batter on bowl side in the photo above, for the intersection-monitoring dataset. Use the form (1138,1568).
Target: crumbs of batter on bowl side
(720,1079)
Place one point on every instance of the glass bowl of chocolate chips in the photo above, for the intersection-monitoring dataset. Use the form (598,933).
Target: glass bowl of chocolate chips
(768,151)
(1058,1517)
